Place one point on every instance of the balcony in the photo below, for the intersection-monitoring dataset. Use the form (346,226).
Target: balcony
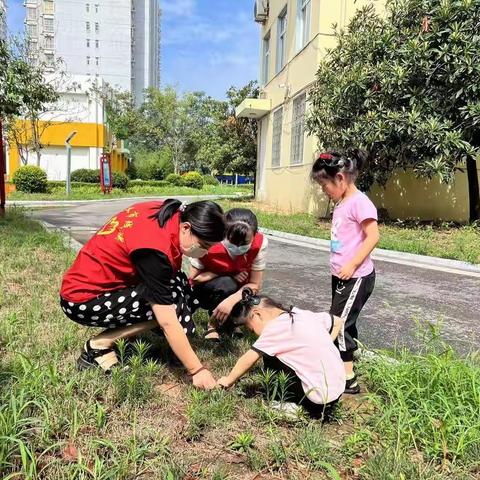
(253,108)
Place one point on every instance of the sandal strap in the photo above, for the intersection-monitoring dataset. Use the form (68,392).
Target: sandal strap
(96,352)
(211,330)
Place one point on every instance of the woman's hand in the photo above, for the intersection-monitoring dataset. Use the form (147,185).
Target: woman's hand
(242,277)
(224,309)
(224,382)
(204,380)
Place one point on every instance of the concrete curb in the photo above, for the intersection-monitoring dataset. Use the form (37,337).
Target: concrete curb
(68,240)
(421,261)
(66,203)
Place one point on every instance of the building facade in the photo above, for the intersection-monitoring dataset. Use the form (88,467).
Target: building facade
(78,110)
(295,35)
(3,19)
(116,40)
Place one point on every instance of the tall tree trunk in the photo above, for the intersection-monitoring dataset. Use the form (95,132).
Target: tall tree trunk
(473,189)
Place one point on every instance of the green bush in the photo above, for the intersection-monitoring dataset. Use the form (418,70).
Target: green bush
(210,180)
(85,175)
(175,179)
(193,180)
(120,180)
(30,179)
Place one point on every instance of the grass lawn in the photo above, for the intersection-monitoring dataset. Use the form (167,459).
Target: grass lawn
(446,241)
(94,193)
(420,420)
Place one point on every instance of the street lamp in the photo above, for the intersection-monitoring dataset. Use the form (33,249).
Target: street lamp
(69,160)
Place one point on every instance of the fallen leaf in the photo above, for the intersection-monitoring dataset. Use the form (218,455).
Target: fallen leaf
(70,453)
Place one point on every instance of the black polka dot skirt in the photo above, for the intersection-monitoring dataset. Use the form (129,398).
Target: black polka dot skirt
(125,307)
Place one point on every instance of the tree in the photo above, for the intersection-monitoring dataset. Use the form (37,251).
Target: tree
(28,92)
(230,143)
(405,87)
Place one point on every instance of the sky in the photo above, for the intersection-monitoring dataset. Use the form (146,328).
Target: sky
(206,45)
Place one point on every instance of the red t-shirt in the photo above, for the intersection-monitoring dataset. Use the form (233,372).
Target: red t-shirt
(219,261)
(104,263)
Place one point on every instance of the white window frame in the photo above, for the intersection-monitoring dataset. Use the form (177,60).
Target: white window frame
(32,31)
(297,136)
(49,43)
(277,126)
(31,13)
(266,58)
(303,23)
(282,23)
(48,26)
(49,60)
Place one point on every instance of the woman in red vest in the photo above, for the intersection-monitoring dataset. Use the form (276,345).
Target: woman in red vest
(127,279)
(238,262)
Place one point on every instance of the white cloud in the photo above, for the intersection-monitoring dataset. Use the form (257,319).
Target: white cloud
(178,8)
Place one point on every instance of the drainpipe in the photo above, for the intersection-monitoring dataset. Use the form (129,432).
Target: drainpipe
(2,173)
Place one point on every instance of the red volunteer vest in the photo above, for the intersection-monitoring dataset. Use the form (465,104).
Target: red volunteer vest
(104,263)
(219,261)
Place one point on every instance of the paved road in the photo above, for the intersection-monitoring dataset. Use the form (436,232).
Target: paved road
(299,275)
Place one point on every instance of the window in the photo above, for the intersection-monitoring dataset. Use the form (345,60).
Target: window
(49,43)
(281,40)
(88,60)
(48,25)
(298,126)
(32,30)
(96,8)
(277,136)
(97,42)
(88,43)
(303,23)
(87,26)
(96,61)
(266,58)
(49,60)
(31,13)
(87,7)
(48,7)
(97,27)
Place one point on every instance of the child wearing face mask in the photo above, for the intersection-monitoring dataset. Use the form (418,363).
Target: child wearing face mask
(238,262)
(297,342)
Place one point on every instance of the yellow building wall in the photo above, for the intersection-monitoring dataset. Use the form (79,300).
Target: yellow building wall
(288,188)
(119,161)
(54,134)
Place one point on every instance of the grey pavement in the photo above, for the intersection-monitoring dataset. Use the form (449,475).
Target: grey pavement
(299,274)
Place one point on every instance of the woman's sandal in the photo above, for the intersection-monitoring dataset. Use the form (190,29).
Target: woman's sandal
(212,335)
(89,356)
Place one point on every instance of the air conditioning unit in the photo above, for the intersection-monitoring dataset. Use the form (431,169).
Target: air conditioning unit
(260,10)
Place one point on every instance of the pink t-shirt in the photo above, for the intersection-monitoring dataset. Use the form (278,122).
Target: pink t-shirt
(307,348)
(347,233)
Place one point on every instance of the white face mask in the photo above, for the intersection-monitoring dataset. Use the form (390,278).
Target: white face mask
(195,251)
(236,250)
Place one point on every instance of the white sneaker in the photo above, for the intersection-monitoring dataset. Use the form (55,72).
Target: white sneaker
(289,409)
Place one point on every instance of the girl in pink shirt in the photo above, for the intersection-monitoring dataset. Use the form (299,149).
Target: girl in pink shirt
(353,237)
(298,342)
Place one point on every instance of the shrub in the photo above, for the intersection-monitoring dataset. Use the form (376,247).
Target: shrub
(210,180)
(193,180)
(30,179)
(120,180)
(85,175)
(175,179)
